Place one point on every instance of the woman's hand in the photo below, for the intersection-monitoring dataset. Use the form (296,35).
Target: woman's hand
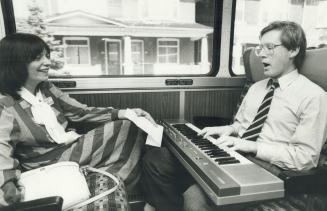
(218,130)
(139,112)
(237,144)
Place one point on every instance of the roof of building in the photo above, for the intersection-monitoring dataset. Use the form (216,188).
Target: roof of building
(80,23)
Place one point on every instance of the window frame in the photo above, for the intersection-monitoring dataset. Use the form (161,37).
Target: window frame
(2,26)
(8,16)
(218,75)
(231,44)
(306,11)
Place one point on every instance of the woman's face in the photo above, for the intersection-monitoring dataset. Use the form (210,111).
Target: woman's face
(38,69)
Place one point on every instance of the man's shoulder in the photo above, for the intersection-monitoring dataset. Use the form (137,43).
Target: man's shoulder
(310,87)
(260,84)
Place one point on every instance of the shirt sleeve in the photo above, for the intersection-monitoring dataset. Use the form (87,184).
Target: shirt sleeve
(303,150)
(78,112)
(239,117)
(9,173)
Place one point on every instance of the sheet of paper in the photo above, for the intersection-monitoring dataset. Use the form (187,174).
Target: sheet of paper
(154,132)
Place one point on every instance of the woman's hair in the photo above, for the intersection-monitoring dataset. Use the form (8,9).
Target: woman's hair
(292,37)
(16,52)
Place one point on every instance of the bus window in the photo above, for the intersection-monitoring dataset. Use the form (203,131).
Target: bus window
(2,28)
(252,15)
(122,37)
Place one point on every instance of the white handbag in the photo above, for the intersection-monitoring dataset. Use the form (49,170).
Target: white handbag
(63,179)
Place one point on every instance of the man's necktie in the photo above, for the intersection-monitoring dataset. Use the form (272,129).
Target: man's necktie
(253,131)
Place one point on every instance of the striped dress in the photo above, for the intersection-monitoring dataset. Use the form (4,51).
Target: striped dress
(115,146)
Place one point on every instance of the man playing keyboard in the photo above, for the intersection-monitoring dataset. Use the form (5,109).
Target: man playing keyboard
(282,120)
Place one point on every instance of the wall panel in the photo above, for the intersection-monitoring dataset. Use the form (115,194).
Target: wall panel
(166,104)
(221,102)
(158,104)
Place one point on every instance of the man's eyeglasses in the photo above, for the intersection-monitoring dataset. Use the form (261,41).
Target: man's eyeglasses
(268,48)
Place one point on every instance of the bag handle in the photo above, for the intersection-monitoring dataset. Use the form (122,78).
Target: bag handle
(103,194)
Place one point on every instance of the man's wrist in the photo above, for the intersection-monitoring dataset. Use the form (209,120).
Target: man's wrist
(254,148)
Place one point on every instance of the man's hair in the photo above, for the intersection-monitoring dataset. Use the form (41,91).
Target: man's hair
(16,52)
(292,37)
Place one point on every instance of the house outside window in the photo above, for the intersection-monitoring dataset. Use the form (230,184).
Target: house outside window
(141,37)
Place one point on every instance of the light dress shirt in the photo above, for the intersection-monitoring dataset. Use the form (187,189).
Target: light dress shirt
(44,115)
(296,127)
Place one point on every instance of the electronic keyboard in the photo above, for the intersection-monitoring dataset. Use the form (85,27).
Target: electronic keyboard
(225,175)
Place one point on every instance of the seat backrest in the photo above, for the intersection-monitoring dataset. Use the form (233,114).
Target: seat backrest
(314,66)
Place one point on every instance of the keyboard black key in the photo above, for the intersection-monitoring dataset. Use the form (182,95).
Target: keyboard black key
(224,159)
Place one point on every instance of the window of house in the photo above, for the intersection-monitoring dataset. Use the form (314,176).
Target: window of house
(76,51)
(116,37)
(168,51)
(252,15)
(113,60)
(138,56)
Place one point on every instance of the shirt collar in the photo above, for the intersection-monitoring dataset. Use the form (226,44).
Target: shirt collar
(287,79)
(29,97)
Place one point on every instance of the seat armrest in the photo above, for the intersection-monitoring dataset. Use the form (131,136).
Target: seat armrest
(53,203)
(309,181)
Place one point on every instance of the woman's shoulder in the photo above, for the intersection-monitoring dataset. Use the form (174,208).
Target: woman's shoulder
(46,85)
(49,87)
(6,100)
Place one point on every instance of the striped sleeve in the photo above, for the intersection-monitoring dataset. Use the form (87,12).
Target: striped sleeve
(77,112)
(9,133)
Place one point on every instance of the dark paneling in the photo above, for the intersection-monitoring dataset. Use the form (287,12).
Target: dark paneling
(220,103)
(163,105)
(159,104)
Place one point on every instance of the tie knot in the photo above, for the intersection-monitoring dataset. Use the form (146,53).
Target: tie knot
(273,84)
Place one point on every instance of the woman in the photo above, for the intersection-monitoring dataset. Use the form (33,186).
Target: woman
(34,116)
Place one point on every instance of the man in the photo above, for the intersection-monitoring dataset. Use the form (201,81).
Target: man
(282,119)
